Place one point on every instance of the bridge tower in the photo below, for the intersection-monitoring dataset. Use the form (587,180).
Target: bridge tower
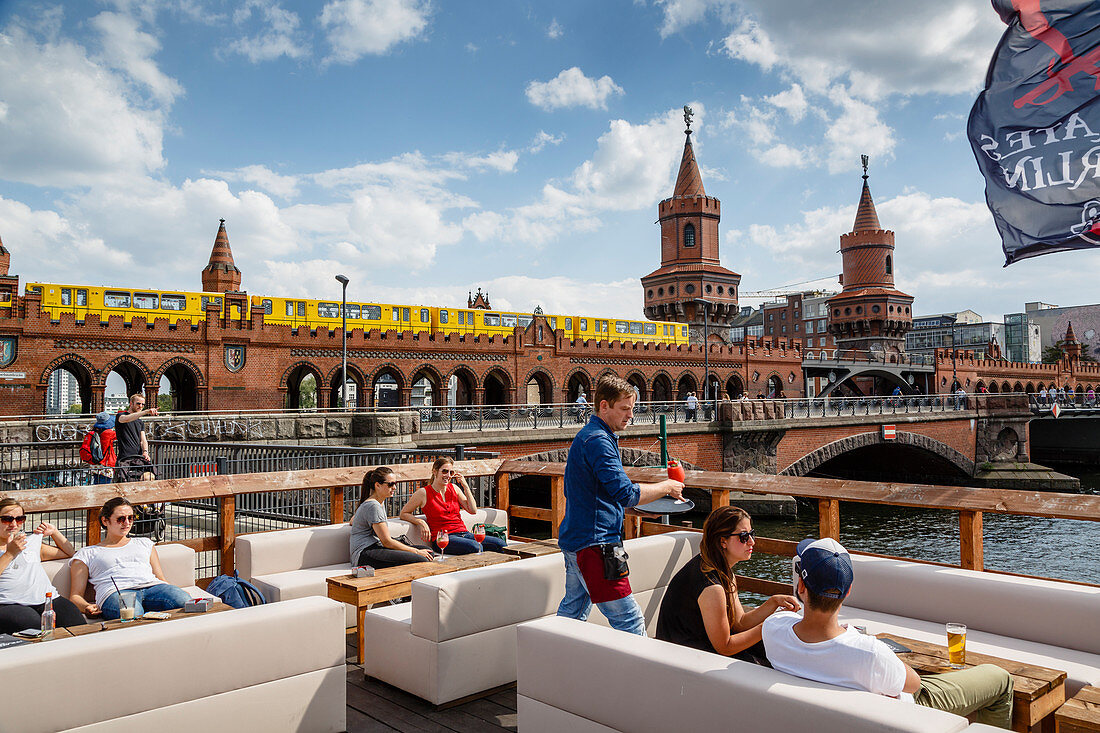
(1071,347)
(220,274)
(690,276)
(869,314)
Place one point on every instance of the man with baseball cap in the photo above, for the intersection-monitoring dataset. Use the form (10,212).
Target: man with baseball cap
(816,646)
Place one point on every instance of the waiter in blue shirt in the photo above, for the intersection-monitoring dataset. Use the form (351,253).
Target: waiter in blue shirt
(597,493)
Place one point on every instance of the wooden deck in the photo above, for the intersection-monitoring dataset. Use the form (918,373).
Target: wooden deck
(377,707)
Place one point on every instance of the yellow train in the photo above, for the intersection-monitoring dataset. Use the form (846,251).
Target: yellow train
(103,302)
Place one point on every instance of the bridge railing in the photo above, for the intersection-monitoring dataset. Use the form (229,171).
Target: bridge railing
(812,355)
(1079,400)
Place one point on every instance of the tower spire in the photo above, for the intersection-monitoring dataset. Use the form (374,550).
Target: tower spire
(866,216)
(688,181)
(221,274)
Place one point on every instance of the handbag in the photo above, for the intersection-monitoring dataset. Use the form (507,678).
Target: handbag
(495,530)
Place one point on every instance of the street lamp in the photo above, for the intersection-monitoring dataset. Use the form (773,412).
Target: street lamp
(706,348)
(344,334)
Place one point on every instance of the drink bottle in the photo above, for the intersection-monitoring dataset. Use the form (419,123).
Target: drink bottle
(48,617)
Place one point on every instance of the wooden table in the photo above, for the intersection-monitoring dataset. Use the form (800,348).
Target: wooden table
(1037,692)
(389,584)
(66,632)
(1081,713)
(534,548)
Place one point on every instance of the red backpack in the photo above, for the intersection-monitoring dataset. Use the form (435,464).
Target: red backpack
(98,447)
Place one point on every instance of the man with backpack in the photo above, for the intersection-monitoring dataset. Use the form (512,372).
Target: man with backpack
(99,450)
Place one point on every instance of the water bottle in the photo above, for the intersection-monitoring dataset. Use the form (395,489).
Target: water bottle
(49,618)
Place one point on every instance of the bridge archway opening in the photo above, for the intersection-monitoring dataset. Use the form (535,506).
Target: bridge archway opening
(386,391)
(662,388)
(578,383)
(539,389)
(734,387)
(892,462)
(70,386)
(462,388)
(714,388)
(686,384)
(302,387)
(427,388)
(126,378)
(179,389)
(775,386)
(994,388)
(496,388)
(355,394)
(1030,388)
(637,381)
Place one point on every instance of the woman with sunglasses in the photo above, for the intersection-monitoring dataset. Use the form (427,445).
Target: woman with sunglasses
(371,543)
(441,501)
(701,608)
(23,582)
(120,562)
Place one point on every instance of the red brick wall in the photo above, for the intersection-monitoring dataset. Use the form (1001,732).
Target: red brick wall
(703,450)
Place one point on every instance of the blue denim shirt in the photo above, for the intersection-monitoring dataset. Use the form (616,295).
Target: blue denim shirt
(596,489)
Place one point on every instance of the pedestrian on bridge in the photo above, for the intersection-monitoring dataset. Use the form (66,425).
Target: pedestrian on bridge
(691,406)
(597,493)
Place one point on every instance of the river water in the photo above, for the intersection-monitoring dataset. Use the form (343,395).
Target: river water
(1055,548)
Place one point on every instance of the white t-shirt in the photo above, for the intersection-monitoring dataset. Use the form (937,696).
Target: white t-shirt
(692,402)
(23,580)
(851,660)
(128,566)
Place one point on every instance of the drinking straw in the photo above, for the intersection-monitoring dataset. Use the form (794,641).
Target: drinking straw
(117,591)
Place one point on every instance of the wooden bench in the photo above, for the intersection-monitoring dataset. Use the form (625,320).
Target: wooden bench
(1081,713)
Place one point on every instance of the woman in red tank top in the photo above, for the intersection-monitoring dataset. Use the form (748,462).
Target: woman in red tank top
(441,501)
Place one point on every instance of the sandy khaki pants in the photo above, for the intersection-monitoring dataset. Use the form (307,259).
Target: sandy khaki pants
(984,691)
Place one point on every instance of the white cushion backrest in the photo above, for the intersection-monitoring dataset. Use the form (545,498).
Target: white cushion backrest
(176,561)
(633,683)
(265,553)
(1043,611)
(467,602)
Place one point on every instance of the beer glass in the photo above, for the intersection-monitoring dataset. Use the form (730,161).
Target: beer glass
(956,645)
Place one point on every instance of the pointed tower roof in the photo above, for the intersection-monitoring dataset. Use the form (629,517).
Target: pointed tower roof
(1070,335)
(2,250)
(688,181)
(866,216)
(221,273)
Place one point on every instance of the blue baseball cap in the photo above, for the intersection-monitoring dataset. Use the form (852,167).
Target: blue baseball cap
(826,567)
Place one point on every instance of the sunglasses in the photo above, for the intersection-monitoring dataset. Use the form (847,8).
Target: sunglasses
(8,519)
(125,519)
(391,484)
(744,536)
(447,470)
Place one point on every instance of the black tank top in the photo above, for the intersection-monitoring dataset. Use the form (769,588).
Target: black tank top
(680,620)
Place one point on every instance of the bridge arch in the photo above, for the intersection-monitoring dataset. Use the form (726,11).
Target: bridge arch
(82,371)
(637,381)
(184,380)
(892,378)
(538,387)
(661,391)
(577,381)
(292,382)
(686,383)
(497,384)
(333,380)
(734,386)
(429,381)
(813,460)
(134,373)
(465,382)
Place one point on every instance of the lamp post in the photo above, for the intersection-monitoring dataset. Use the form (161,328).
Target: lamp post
(706,348)
(344,334)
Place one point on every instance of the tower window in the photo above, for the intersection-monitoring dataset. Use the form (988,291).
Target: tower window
(689,235)
(889,266)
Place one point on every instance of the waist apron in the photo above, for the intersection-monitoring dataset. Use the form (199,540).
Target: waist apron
(600,589)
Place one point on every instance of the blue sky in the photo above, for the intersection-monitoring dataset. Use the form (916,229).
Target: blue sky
(428,148)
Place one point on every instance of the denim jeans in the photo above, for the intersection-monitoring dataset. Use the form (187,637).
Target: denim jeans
(624,614)
(159,597)
(463,543)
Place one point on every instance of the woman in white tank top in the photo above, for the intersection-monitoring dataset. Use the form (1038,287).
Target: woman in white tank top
(23,582)
(120,562)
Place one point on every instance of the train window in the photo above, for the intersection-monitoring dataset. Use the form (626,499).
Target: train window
(115,299)
(568,324)
(683,331)
(443,316)
(328,310)
(352,311)
(584,324)
(666,330)
(66,296)
(405,315)
(425,317)
(179,303)
(372,312)
(622,327)
(508,320)
(34,289)
(265,306)
(525,321)
(603,326)
(301,309)
(290,307)
(553,322)
(396,314)
(491,320)
(82,297)
(146,300)
(636,328)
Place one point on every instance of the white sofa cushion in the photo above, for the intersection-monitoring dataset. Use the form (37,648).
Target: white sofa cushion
(457,604)
(232,650)
(176,561)
(637,684)
(1042,611)
(266,553)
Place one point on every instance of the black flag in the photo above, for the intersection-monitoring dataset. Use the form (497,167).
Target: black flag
(1035,129)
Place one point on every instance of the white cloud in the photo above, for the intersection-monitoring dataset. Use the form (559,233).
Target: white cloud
(792,101)
(71,121)
(749,42)
(279,34)
(679,14)
(268,180)
(357,28)
(856,131)
(555,30)
(502,161)
(542,139)
(470,47)
(571,88)
(131,50)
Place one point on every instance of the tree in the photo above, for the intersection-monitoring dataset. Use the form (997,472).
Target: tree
(74,409)
(164,402)
(307,393)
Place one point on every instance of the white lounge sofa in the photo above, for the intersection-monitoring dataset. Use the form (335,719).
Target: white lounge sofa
(277,667)
(177,562)
(458,636)
(295,563)
(1044,622)
(586,679)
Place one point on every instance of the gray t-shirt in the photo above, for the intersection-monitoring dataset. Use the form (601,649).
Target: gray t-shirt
(369,513)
